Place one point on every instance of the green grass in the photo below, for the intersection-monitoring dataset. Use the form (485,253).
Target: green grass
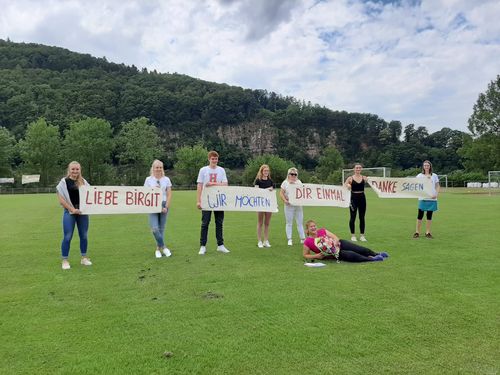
(431,308)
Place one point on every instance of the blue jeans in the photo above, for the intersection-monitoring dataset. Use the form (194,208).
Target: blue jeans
(157,222)
(69,221)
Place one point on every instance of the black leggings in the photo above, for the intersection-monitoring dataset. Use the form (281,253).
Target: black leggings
(358,203)
(351,252)
(420,215)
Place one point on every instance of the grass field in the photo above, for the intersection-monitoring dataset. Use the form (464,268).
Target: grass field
(432,308)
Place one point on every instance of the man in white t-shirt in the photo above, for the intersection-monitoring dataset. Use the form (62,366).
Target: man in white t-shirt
(211,175)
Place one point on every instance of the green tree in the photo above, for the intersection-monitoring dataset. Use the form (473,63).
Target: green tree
(481,154)
(138,144)
(7,143)
(189,161)
(89,142)
(486,115)
(330,161)
(279,168)
(40,150)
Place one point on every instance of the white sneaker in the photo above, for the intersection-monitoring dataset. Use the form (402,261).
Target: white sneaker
(166,252)
(158,253)
(85,262)
(267,244)
(260,244)
(203,250)
(353,239)
(290,243)
(302,240)
(222,249)
(363,239)
(65,265)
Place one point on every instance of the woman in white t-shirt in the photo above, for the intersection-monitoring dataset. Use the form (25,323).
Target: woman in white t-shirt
(157,221)
(292,212)
(427,205)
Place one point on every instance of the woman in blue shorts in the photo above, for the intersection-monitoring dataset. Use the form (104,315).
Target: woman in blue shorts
(427,205)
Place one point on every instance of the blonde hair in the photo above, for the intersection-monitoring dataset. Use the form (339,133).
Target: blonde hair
(308,223)
(290,170)
(156,162)
(259,173)
(79,180)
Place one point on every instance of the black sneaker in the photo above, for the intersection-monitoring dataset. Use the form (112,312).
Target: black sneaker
(416,235)
(428,235)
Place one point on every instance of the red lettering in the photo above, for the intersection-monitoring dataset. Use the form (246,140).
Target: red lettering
(298,193)
(107,197)
(115,198)
(140,199)
(87,198)
(318,193)
(308,193)
(129,198)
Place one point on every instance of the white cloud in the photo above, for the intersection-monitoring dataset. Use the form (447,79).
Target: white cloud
(423,63)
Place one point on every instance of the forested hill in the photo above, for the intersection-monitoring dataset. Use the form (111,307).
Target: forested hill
(63,86)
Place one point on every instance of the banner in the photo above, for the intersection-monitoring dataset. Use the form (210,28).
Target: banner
(120,200)
(410,187)
(319,195)
(30,178)
(6,180)
(238,198)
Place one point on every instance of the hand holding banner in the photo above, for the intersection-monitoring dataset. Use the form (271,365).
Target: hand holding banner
(319,195)
(238,198)
(120,200)
(410,187)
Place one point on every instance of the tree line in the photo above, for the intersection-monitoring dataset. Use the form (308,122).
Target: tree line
(56,104)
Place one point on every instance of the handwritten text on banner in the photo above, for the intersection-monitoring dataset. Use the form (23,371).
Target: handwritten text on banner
(319,195)
(238,198)
(392,187)
(120,200)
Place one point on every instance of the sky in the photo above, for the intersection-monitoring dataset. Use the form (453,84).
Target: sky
(419,62)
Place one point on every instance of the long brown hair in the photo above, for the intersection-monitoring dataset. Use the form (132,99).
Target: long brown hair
(79,180)
(430,164)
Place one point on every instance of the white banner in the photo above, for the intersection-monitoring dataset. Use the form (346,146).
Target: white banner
(30,178)
(6,180)
(410,187)
(238,198)
(120,200)
(319,195)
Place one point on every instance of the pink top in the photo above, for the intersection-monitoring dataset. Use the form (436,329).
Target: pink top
(309,241)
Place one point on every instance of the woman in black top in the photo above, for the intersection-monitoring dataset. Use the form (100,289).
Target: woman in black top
(69,197)
(356,183)
(263,181)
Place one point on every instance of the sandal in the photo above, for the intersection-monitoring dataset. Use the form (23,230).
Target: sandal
(416,235)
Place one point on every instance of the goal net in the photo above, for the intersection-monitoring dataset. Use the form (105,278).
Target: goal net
(373,171)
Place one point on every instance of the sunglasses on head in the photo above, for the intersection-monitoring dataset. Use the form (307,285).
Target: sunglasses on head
(293,174)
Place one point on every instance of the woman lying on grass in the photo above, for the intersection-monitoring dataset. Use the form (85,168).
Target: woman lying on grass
(322,244)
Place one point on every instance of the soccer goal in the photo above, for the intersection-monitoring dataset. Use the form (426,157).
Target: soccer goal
(373,171)
(493,179)
(443,180)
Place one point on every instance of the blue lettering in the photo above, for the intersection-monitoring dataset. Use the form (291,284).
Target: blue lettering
(412,187)
(220,201)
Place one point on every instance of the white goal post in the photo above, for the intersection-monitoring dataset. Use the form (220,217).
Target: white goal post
(493,179)
(373,171)
(445,178)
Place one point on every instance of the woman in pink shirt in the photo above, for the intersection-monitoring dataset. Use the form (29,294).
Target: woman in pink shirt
(323,244)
